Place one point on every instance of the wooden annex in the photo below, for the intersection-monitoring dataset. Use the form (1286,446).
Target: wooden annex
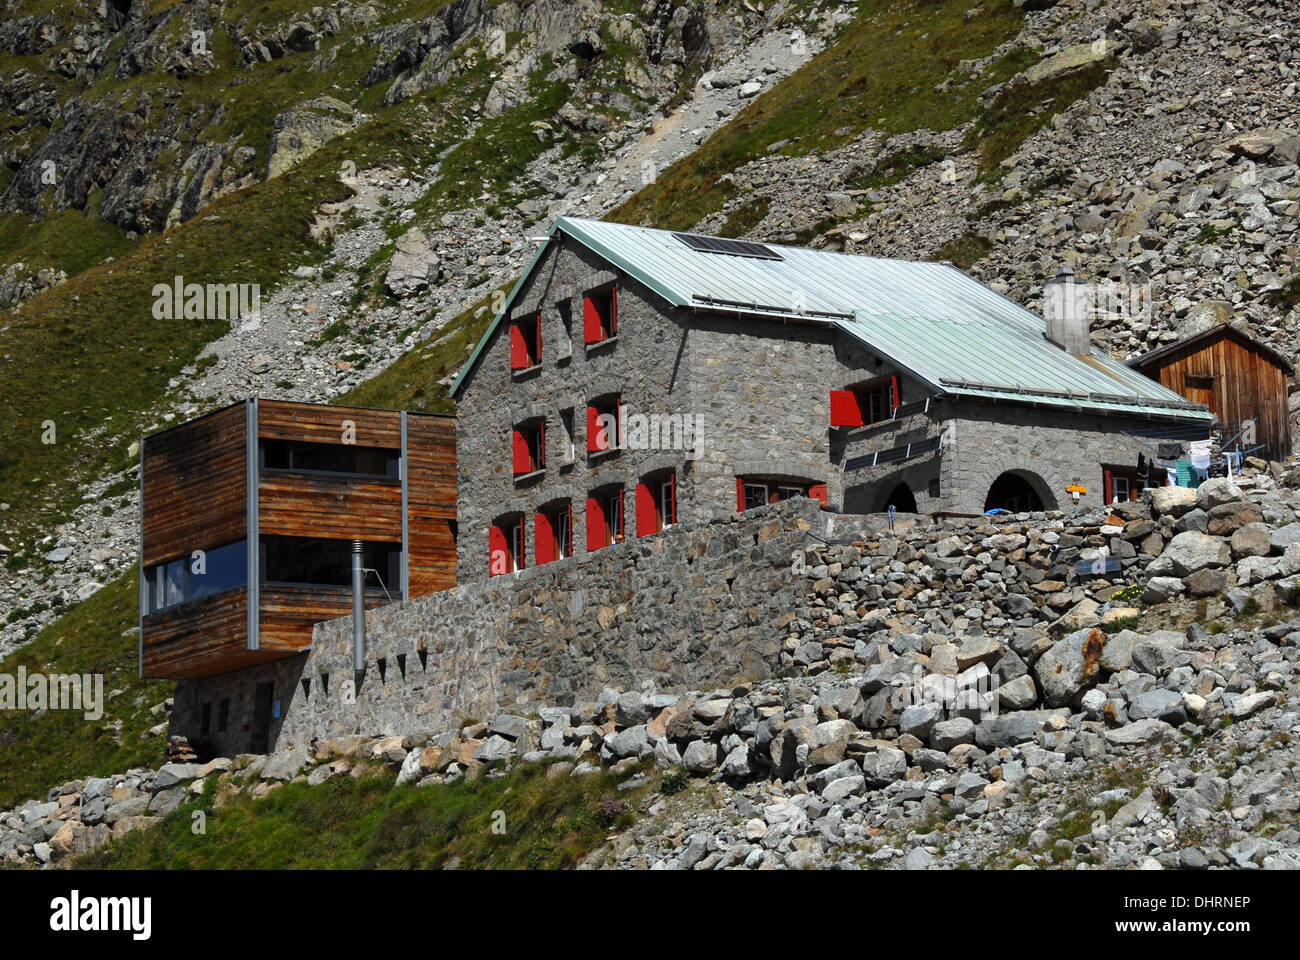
(283,489)
(1239,377)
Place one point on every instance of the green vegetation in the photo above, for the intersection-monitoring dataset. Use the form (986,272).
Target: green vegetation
(367,823)
(1121,623)
(41,751)
(1126,594)
(1018,111)
(69,240)
(745,218)
(881,73)
(1288,295)
(965,251)
(415,380)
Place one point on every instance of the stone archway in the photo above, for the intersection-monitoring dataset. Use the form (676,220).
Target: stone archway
(901,499)
(1018,491)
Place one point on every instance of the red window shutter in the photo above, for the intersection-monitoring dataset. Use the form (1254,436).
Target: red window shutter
(521,453)
(518,349)
(740,495)
(541,446)
(593,430)
(895,399)
(538,358)
(645,510)
(544,539)
(617,525)
(613,310)
(595,525)
(498,550)
(845,411)
(590,321)
(1107,488)
(521,561)
(672,497)
(818,492)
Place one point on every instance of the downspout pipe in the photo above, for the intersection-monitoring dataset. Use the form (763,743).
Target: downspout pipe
(358,612)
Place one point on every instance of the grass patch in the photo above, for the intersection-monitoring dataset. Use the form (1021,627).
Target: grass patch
(966,251)
(39,752)
(1287,296)
(415,380)
(369,824)
(745,218)
(1019,111)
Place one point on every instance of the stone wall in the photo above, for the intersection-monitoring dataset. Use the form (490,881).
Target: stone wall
(699,604)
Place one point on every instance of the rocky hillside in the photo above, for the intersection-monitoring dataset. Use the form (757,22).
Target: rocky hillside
(376,169)
(946,702)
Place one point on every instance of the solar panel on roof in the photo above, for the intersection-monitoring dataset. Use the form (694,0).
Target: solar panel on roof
(732,248)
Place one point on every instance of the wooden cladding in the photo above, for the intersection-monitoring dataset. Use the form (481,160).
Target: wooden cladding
(288,613)
(337,508)
(431,503)
(196,480)
(200,639)
(325,423)
(195,493)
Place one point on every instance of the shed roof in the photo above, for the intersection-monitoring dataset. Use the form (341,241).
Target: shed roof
(1204,338)
(931,319)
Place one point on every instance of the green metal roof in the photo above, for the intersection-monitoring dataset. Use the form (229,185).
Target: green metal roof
(931,319)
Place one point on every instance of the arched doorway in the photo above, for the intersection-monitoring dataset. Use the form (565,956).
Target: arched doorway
(1014,494)
(901,499)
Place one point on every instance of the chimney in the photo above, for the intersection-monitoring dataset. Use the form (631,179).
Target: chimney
(1065,308)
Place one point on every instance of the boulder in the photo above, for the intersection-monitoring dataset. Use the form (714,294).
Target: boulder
(1140,731)
(1018,694)
(1188,552)
(700,757)
(1283,537)
(1206,583)
(1162,589)
(1172,501)
(1217,491)
(950,733)
(287,764)
(414,265)
(883,766)
(1070,666)
(979,649)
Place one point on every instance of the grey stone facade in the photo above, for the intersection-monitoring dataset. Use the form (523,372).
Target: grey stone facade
(761,390)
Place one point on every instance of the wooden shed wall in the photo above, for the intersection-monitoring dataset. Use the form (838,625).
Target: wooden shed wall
(195,486)
(1247,383)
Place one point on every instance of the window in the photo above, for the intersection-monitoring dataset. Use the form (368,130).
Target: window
(1120,485)
(600,315)
(314,561)
(526,342)
(604,518)
(604,431)
(553,534)
(568,450)
(203,573)
(756,491)
(223,715)
(342,458)
(656,503)
(529,447)
(869,403)
(507,546)
(205,719)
